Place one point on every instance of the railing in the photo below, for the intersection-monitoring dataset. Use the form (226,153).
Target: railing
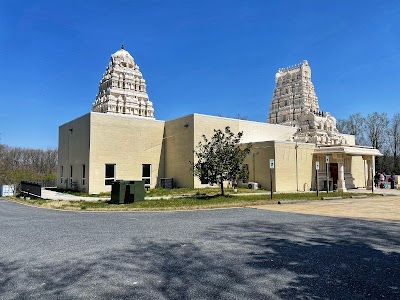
(31,189)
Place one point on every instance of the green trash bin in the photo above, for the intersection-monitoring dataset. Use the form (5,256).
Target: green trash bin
(118,191)
(134,191)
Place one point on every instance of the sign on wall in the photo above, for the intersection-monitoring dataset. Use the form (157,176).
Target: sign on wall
(272,164)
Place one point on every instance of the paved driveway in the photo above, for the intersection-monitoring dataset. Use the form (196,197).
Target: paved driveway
(218,254)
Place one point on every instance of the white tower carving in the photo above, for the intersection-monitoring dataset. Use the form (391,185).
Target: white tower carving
(122,89)
(294,103)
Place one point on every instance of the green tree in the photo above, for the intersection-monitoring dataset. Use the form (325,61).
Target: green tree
(221,158)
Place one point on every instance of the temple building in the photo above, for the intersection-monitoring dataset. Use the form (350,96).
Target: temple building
(120,139)
(122,89)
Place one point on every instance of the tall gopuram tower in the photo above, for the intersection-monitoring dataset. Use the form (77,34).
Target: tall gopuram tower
(122,89)
(293,94)
(294,103)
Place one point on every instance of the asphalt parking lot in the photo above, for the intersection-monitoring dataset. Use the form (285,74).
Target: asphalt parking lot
(217,254)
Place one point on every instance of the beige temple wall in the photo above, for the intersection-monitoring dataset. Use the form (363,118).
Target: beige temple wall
(182,135)
(258,163)
(284,175)
(178,145)
(293,166)
(128,142)
(73,150)
(259,132)
(358,174)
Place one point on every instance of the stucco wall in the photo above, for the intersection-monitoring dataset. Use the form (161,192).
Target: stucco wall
(293,167)
(259,132)
(357,171)
(258,163)
(73,150)
(128,142)
(178,147)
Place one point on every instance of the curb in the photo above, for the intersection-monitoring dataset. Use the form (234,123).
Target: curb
(331,198)
(291,201)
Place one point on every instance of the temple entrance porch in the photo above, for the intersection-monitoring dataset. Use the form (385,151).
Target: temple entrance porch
(348,166)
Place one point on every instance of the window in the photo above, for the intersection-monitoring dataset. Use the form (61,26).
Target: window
(83,174)
(146,173)
(61,174)
(70,176)
(110,174)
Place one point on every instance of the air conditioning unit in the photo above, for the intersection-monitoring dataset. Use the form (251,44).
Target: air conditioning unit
(252,185)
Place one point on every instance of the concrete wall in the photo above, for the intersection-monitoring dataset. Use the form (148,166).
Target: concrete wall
(73,150)
(178,147)
(293,166)
(358,173)
(128,142)
(260,132)
(258,163)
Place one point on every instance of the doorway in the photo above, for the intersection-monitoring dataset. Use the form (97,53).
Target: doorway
(333,168)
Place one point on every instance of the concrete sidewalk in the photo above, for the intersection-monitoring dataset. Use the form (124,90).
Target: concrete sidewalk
(382,209)
(53,195)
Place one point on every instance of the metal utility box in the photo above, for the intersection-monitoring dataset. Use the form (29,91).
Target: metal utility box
(167,183)
(123,192)
(7,190)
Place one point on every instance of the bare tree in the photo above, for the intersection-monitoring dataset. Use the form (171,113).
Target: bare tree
(241,117)
(17,164)
(353,125)
(394,141)
(376,127)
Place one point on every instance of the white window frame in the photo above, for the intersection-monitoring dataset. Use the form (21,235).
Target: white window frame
(146,179)
(109,178)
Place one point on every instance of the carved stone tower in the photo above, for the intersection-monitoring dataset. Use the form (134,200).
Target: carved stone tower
(293,94)
(122,89)
(294,103)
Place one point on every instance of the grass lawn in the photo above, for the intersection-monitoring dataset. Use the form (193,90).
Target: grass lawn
(199,202)
(158,192)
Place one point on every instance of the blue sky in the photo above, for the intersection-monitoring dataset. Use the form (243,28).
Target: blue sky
(209,57)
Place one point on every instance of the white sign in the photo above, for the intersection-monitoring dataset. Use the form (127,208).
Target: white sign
(317,165)
(327,159)
(272,164)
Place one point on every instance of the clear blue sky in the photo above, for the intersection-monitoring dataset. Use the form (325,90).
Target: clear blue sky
(209,57)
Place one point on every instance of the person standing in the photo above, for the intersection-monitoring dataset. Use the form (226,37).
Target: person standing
(376,179)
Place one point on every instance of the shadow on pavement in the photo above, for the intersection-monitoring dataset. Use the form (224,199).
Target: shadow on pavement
(337,259)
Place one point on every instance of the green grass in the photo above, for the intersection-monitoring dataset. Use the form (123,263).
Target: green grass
(198,202)
(158,192)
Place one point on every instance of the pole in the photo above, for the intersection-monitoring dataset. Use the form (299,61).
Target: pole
(270,175)
(372,177)
(297,171)
(327,179)
(317,184)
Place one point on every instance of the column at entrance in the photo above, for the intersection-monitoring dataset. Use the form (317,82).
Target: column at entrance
(370,170)
(341,182)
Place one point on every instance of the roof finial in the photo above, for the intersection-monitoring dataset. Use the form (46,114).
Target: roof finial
(122,46)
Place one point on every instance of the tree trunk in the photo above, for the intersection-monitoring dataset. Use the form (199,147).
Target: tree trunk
(222,187)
